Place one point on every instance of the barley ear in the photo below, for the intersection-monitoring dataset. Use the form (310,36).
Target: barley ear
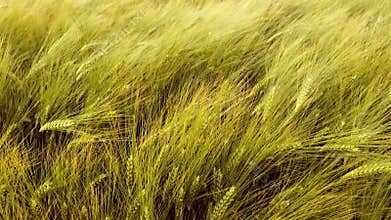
(133,209)
(130,171)
(38,194)
(179,200)
(221,207)
(194,187)
(304,92)
(369,169)
(341,148)
(217,182)
(170,182)
(57,125)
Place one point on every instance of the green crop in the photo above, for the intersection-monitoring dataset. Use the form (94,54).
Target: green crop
(195,109)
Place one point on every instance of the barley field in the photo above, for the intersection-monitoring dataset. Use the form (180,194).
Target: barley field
(195,109)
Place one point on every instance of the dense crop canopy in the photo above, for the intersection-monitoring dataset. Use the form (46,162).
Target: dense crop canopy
(195,109)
